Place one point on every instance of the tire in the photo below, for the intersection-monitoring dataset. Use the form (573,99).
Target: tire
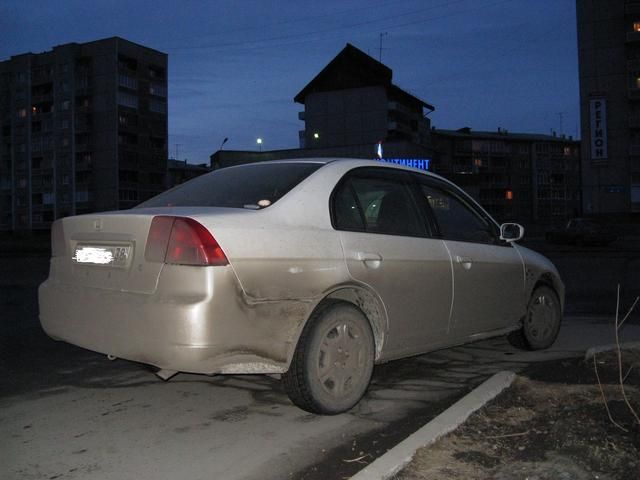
(333,361)
(541,323)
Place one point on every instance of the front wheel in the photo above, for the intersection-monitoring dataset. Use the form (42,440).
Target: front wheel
(541,323)
(333,362)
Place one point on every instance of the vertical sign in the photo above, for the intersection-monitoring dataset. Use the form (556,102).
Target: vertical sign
(598,112)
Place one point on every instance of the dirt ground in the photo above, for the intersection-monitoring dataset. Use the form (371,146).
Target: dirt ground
(550,424)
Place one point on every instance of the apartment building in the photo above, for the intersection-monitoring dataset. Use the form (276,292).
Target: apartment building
(83,128)
(353,101)
(609,59)
(515,176)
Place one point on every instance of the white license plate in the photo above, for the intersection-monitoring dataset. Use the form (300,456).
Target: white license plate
(106,255)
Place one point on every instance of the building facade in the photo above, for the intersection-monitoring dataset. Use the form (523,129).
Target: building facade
(515,176)
(353,101)
(83,128)
(609,59)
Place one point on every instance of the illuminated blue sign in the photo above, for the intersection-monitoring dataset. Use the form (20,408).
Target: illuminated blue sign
(420,163)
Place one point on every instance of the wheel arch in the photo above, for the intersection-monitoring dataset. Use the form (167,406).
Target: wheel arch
(550,280)
(367,301)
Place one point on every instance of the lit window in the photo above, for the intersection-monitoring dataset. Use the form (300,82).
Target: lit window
(636,26)
(509,195)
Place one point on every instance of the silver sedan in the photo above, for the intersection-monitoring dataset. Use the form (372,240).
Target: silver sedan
(313,269)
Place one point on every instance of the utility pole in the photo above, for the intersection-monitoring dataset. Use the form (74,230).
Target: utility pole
(382,34)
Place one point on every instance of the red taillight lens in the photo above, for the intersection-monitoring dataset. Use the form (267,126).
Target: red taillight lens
(182,241)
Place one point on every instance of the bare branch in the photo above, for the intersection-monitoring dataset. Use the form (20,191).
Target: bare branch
(629,312)
(604,398)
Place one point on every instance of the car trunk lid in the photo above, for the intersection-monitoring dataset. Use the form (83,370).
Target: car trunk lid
(104,251)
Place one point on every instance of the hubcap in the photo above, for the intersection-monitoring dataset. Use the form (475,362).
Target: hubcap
(541,318)
(341,358)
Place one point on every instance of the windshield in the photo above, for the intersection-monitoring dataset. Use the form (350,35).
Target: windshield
(253,186)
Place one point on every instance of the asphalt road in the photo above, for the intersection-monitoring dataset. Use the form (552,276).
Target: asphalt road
(70,413)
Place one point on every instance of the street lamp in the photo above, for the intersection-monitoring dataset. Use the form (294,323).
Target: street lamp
(316,135)
(259,142)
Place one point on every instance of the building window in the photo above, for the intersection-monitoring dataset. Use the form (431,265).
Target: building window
(156,72)
(22,113)
(66,104)
(128,195)
(157,89)
(127,100)
(127,81)
(636,26)
(158,106)
(82,196)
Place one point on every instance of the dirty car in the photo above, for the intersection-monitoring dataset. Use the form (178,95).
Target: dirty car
(313,269)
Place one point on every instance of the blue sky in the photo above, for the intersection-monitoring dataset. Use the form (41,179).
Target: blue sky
(235,66)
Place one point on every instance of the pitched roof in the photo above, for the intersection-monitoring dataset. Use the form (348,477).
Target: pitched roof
(352,68)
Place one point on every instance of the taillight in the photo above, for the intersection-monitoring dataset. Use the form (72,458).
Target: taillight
(182,241)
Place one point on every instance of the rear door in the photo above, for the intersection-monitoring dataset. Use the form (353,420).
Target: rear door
(488,274)
(387,246)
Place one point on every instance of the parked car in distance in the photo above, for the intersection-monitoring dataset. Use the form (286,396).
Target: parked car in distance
(312,269)
(580,231)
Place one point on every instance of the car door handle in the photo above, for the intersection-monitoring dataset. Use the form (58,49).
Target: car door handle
(371,260)
(466,262)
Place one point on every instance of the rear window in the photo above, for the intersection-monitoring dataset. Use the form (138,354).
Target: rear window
(253,186)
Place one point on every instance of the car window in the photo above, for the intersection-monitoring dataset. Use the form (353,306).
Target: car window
(456,218)
(377,201)
(253,186)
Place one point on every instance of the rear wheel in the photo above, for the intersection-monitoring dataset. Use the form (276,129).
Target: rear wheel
(541,323)
(333,362)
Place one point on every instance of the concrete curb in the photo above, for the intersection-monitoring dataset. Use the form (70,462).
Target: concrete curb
(399,456)
(612,346)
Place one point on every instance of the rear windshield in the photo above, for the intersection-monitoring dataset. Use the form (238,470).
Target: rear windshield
(251,186)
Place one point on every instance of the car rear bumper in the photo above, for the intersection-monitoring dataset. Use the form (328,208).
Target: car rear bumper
(210,330)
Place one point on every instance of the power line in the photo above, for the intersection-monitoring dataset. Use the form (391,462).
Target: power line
(331,29)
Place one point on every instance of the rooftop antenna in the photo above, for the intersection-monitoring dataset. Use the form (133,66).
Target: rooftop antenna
(561,116)
(382,34)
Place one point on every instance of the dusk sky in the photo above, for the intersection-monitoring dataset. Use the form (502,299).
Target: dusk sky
(235,66)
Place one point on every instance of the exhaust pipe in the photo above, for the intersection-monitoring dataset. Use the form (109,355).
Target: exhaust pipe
(166,374)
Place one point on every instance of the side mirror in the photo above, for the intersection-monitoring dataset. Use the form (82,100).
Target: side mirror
(511,232)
